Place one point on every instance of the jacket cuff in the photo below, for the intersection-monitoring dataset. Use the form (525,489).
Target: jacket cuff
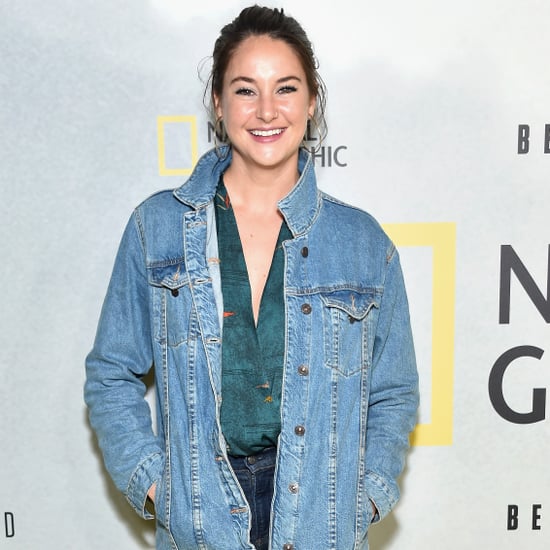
(383,495)
(148,471)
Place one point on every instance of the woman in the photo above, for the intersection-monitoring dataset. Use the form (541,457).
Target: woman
(290,431)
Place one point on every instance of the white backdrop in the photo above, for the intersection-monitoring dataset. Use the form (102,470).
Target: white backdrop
(101,105)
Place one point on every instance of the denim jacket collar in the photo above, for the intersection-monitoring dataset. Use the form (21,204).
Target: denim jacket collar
(299,208)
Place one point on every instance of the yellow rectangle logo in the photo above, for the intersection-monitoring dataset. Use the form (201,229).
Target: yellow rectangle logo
(162,121)
(441,237)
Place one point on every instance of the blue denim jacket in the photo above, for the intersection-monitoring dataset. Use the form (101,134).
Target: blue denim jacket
(350,388)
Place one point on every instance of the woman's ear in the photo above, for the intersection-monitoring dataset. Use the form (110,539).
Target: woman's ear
(311,108)
(217,106)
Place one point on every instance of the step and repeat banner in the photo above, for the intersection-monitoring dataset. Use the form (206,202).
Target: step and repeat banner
(439,125)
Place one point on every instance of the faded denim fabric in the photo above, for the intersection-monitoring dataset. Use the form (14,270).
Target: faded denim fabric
(350,388)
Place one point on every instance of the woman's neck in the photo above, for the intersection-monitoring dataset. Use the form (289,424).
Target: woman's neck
(257,187)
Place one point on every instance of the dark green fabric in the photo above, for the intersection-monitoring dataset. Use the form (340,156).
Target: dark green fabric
(252,356)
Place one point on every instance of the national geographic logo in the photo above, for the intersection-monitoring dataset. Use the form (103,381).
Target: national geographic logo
(9,525)
(177,137)
(441,238)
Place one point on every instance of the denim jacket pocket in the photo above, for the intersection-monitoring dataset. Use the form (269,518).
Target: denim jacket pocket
(348,318)
(171,302)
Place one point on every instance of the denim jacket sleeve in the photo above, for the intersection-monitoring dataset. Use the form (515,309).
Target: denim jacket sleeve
(114,392)
(393,400)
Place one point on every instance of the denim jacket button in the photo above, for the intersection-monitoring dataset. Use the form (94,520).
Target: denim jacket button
(288,546)
(303,370)
(175,292)
(293,488)
(306,309)
(305,252)
(299,430)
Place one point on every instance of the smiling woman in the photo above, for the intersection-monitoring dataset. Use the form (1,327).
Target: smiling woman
(277,322)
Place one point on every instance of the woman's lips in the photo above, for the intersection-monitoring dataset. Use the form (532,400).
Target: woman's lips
(267,133)
(266,136)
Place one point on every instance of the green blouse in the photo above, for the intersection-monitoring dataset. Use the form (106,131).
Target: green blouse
(252,356)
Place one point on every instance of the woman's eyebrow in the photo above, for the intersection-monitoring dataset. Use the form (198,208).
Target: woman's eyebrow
(249,80)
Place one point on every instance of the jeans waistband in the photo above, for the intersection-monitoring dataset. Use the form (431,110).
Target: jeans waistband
(260,461)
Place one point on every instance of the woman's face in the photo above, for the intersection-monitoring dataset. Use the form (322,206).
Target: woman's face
(265,103)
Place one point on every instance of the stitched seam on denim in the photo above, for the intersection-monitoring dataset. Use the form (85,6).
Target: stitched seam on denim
(166,414)
(333,452)
(359,527)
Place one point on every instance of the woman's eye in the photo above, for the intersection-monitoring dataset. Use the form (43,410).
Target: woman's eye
(244,91)
(287,89)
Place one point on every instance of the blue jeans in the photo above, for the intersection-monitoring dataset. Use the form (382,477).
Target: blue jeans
(255,474)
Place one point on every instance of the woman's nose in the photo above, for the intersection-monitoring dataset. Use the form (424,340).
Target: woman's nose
(267,108)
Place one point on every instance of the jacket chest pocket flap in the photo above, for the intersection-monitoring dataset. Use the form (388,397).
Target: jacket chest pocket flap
(348,319)
(171,302)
